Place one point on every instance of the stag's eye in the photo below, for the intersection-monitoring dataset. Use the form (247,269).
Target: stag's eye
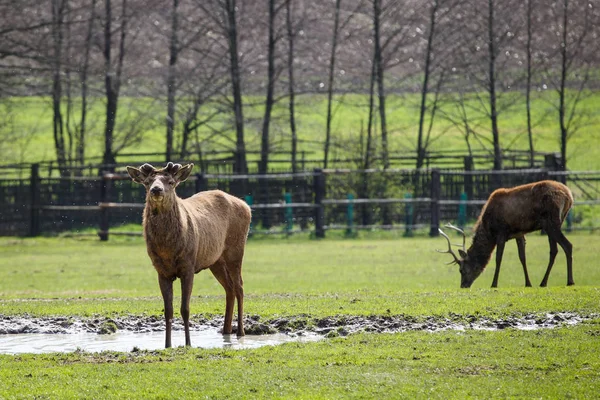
(171,181)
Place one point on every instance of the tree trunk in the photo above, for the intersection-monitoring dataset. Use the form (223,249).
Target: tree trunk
(336,22)
(562,88)
(171,89)
(425,87)
(58,125)
(291,90)
(80,139)
(528,85)
(264,145)
(492,87)
(241,166)
(380,84)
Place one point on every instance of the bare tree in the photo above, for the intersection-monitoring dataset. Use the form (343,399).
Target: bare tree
(291,36)
(334,41)
(112,74)
(59,8)
(171,84)
(570,80)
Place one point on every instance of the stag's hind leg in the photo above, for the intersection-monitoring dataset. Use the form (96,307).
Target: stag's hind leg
(219,270)
(521,247)
(555,236)
(235,272)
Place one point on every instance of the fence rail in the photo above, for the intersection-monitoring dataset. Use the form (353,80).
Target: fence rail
(311,201)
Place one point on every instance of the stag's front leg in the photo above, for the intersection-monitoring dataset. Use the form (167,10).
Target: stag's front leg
(499,251)
(187,283)
(521,247)
(166,288)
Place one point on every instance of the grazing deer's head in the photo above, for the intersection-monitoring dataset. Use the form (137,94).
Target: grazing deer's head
(160,183)
(469,268)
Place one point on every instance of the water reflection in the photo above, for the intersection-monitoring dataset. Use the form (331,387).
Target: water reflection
(127,341)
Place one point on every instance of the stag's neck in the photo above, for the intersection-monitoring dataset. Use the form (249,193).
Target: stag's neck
(163,220)
(482,247)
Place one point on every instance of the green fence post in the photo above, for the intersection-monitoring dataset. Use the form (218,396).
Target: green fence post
(289,215)
(408,216)
(570,220)
(350,215)
(250,200)
(462,211)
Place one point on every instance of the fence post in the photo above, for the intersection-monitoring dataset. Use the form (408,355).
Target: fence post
(435,205)
(289,215)
(409,215)
(468,178)
(350,215)
(201,182)
(462,211)
(250,200)
(104,196)
(34,223)
(319,192)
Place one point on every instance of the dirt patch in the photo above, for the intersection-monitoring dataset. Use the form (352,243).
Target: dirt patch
(341,325)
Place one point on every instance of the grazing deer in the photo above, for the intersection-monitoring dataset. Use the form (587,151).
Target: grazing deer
(185,236)
(510,214)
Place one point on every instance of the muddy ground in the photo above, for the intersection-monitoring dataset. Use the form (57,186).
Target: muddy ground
(296,325)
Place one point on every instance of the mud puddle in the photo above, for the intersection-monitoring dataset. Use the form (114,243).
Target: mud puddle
(23,334)
(130,341)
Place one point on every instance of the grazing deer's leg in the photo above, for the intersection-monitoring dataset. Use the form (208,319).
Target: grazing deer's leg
(499,251)
(187,283)
(553,252)
(521,247)
(219,271)
(568,249)
(166,288)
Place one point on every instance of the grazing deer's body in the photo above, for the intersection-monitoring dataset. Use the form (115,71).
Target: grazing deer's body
(185,236)
(510,214)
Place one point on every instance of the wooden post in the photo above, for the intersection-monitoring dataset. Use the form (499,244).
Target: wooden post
(288,213)
(319,191)
(201,183)
(408,216)
(104,197)
(435,205)
(350,215)
(34,223)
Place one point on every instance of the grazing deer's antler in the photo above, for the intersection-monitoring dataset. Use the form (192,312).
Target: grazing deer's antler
(449,225)
(449,251)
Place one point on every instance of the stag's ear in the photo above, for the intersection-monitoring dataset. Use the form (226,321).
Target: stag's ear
(183,173)
(463,255)
(135,174)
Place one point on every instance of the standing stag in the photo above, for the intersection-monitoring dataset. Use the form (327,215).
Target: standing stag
(510,214)
(185,236)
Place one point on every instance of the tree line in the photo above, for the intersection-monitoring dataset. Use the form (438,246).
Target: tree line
(205,63)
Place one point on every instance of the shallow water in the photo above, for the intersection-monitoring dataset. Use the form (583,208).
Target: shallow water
(126,341)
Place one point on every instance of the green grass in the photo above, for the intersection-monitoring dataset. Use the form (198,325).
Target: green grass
(559,363)
(33,115)
(290,277)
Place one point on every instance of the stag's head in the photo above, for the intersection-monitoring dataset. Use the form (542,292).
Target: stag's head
(468,267)
(160,183)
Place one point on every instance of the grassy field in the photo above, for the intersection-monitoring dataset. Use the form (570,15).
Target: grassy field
(32,119)
(298,276)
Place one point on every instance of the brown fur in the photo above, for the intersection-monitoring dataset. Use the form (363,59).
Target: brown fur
(512,213)
(185,236)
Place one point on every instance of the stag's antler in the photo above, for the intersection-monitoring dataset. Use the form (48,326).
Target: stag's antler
(449,225)
(449,251)
(172,168)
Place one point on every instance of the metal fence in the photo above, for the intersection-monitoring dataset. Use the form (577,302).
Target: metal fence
(312,202)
